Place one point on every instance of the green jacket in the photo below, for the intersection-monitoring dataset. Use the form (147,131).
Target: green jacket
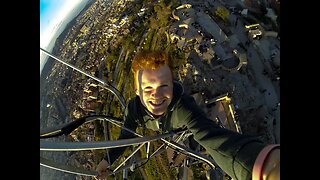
(233,152)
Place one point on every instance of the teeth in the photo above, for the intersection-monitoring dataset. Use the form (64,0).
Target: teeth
(156,102)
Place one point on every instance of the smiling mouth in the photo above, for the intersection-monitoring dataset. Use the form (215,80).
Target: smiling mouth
(156,103)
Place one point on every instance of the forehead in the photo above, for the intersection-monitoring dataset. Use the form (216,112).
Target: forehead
(160,75)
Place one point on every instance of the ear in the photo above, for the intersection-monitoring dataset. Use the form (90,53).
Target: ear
(136,84)
(136,91)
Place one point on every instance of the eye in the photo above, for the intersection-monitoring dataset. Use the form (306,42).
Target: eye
(164,85)
(147,89)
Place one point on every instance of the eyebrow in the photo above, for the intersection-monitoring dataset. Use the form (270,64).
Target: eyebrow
(162,83)
(143,83)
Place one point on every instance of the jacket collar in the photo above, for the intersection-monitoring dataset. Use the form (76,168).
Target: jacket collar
(177,93)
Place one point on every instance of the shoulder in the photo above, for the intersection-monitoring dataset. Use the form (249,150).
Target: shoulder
(186,101)
(186,105)
(132,106)
(134,102)
(181,98)
(131,115)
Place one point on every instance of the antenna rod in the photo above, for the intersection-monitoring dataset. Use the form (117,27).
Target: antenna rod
(109,87)
(75,68)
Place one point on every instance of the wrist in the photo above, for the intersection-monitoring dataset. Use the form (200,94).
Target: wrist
(260,162)
(105,163)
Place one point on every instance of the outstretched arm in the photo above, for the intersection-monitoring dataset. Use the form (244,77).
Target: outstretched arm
(235,153)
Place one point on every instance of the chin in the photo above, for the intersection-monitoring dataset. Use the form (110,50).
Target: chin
(157,112)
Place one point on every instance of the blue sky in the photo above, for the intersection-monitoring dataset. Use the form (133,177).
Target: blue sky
(52,14)
(47,9)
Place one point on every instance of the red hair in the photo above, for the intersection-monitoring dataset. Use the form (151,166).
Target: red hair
(150,60)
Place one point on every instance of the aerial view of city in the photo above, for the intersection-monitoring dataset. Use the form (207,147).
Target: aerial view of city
(226,54)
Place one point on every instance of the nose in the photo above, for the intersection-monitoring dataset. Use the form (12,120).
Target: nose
(156,93)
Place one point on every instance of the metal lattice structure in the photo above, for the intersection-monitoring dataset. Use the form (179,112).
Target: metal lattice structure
(169,140)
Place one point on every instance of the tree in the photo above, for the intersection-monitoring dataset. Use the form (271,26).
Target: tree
(223,13)
(163,13)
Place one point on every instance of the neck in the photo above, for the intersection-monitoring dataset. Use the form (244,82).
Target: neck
(152,115)
(156,116)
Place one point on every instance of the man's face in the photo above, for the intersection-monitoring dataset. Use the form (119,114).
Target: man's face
(155,89)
